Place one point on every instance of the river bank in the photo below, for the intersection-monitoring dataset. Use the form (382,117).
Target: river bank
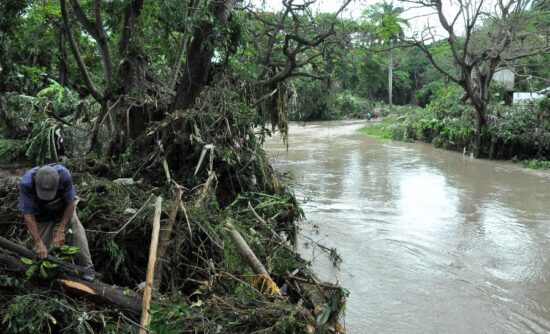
(395,128)
(207,286)
(428,237)
(519,133)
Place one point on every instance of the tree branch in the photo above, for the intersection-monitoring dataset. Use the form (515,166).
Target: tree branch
(131,14)
(95,29)
(76,53)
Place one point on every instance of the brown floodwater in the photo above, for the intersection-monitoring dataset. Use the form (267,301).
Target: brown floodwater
(432,241)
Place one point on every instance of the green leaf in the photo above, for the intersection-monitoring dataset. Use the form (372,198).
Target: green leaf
(30,272)
(49,265)
(27,261)
(322,318)
(69,250)
(43,272)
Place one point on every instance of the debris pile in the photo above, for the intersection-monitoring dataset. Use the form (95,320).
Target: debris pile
(203,281)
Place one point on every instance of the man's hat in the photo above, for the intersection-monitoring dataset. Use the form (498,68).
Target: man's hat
(47,179)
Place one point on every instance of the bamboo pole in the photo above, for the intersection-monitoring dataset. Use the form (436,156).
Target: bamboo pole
(150,267)
(164,238)
(264,280)
(245,250)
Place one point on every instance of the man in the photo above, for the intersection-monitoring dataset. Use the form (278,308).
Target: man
(47,199)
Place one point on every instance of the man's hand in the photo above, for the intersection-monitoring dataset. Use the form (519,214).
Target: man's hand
(59,238)
(41,250)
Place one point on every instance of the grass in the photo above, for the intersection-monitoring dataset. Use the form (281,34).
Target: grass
(537,164)
(376,130)
(381,129)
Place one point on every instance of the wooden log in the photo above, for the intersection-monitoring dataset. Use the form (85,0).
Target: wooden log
(99,292)
(11,263)
(66,267)
(96,291)
(151,267)
(265,281)
(244,249)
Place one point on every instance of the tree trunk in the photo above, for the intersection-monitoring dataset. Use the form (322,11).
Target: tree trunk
(62,57)
(199,55)
(480,126)
(390,76)
(182,45)
(95,145)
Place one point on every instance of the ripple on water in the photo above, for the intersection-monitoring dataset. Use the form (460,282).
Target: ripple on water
(432,241)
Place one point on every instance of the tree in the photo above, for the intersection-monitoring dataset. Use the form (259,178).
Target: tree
(494,36)
(388,29)
(289,44)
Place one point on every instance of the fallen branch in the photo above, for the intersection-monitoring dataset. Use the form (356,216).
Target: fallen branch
(151,267)
(264,279)
(96,291)
(205,189)
(114,296)
(128,222)
(244,249)
(66,267)
(165,237)
(280,240)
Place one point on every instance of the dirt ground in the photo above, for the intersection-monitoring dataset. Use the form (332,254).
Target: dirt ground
(11,174)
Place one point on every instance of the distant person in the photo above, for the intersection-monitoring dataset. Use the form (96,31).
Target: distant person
(369,115)
(47,199)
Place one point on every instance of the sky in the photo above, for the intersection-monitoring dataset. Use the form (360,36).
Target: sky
(418,18)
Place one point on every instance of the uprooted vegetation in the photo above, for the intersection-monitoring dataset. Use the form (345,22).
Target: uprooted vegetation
(206,285)
(183,123)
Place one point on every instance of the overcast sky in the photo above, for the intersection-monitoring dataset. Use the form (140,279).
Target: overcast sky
(418,18)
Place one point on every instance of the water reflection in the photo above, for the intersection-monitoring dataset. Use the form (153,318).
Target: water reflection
(432,241)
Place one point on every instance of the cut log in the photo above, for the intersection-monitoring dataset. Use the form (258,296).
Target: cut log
(96,291)
(65,266)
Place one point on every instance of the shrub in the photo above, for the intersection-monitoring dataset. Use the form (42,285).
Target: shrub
(10,150)
(348,106)
(536,164)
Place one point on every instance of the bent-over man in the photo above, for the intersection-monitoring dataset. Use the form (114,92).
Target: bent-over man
(47,199)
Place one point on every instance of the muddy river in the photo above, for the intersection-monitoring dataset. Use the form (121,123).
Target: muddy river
(432,241)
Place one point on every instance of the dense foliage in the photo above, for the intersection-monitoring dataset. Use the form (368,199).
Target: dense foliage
(518,132)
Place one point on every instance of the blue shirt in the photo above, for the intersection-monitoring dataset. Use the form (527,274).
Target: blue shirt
(29,201)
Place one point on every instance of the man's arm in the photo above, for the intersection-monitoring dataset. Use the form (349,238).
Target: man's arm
(59,237)
(28,207)
(69,197)
(40,248)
